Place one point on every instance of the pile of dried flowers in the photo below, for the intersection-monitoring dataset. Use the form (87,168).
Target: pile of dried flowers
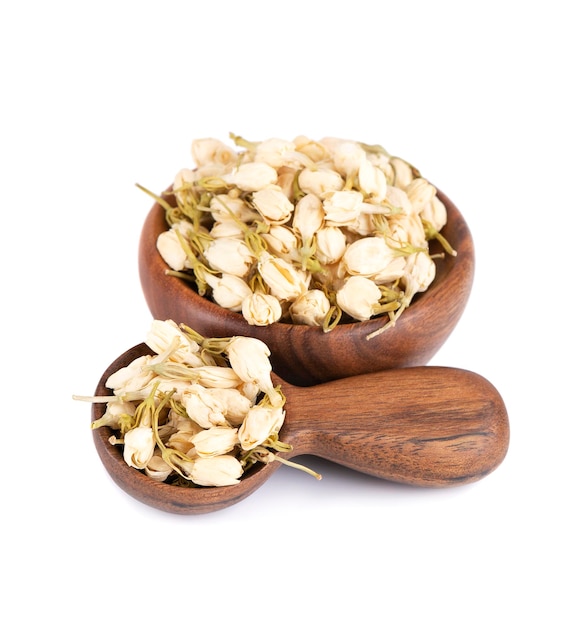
(303,231)
(197,411)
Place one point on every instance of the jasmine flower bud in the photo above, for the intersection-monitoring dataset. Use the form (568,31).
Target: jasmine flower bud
(273,204)
(434,213)
(261,309)
(233,402)
(398,199)
(132,378)
(367,256)
(280,153)
(310,308)
(282,242)
(115,411)
(253,176)
(320,181)
(419,272)
(407,229)
(359,297)
(226,207)
(215,441)
(165,336)
(229,255)
(172,250)
(371,180)
(283,279)
(403,173)
(139,446)
(229,291)
(261,423)
(420,193)
(203,407)
(217,376)
(308,216)
(330,244)
(183,186)
(215,471)
(211,151)
(157,468)
(342,207)
(249,358)
(348,158)
(314,150)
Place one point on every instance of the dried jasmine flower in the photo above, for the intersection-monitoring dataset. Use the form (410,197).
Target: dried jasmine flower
(200,410)
(259,227)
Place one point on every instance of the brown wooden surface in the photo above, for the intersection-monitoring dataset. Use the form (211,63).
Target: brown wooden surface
(425,426)
(305,355)
(431,426)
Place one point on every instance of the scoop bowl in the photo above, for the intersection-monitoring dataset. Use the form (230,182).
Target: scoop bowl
(423,426)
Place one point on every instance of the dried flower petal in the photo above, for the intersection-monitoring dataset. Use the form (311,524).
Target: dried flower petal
(229,291)
(419,272)
(115,411)
(320,181)
(157,468)
(165,335)
(330,244)
(216,471)
(229,255)
(249,358)
(205,151)
(358,297)
(283,279)
(403,172)
(310,308)
(203,407)
(282,242)
(215,441)
(233,402)
(348,157)
(420,193)
(253,176)
(434,213)
(280,153)
(308,216)
(172,251)
(342,207)
(367,256)
(139,446)
(261,422)
(223,206)
(261,309)
(371,180)
(273,204)
(132,378)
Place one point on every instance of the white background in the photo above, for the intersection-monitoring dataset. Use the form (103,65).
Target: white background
(485,100)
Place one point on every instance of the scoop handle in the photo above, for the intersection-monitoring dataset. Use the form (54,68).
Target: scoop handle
(426,426)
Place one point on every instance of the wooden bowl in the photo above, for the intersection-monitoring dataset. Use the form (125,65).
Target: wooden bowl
(305,355)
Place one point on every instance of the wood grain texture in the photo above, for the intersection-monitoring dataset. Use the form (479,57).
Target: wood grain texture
(305,355)
(431,426)
(423,426)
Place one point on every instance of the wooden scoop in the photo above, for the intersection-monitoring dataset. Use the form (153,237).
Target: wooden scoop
(425,426)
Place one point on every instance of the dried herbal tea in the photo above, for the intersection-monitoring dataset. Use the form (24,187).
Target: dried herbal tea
(198,411)
(304,232)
